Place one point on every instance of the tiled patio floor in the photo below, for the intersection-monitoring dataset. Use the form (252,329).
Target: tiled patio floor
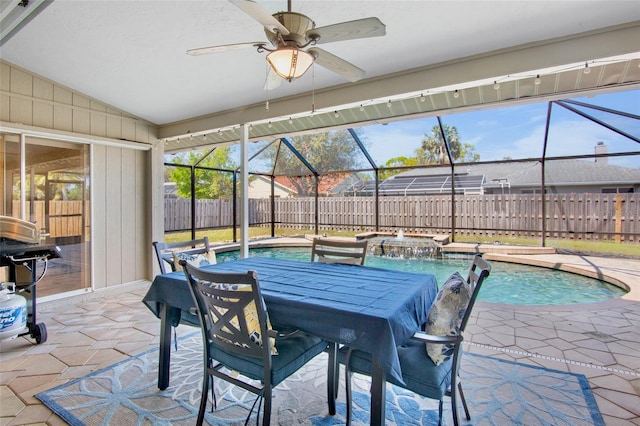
(86,333)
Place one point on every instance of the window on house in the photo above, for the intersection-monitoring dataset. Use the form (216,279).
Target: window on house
(623,190)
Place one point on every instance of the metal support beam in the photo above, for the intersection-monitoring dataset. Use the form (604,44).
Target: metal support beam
(317,211)
(565,104)
(193,202)
(273,206)
(235,207)
(453,179)
(244,191)
(363,148)
(543,240)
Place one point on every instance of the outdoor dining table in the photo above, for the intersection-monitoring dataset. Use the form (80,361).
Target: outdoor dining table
(370,309)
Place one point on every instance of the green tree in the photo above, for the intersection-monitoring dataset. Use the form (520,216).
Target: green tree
(209,183)
(401,161)
(326,152)
(433,151)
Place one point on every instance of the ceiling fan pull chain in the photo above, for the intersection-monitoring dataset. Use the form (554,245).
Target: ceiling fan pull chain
(313,88)
(266,86)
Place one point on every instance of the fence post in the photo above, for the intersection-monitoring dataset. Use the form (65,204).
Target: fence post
(618,219)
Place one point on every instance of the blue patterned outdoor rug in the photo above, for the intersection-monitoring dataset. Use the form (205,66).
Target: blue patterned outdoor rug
(498,392)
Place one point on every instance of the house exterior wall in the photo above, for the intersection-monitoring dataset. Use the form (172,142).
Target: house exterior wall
(121,237)
(123,150)
(260,188)
(30,100)
(566,189)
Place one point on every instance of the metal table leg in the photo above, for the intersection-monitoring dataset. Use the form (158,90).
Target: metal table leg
(332,377)
(378,393)
(165,347)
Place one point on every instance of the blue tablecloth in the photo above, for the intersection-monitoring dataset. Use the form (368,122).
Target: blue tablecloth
(370,309)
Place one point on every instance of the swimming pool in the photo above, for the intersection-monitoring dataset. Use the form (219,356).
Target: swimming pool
(508,283)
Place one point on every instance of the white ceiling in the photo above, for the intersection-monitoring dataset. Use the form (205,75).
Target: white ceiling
(131,54)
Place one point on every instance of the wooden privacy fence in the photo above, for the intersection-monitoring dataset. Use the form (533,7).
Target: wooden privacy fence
(209,214)
(590,216)
(585,216)
(64,219)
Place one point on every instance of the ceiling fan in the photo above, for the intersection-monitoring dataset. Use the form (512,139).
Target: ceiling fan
(290,33)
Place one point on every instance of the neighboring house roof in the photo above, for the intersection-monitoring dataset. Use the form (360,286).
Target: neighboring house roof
(170,190)
(527,174)
(348,184)
(325,186)
(418,184)
(478,178)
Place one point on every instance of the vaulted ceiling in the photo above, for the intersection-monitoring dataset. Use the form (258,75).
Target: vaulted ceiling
(436,57)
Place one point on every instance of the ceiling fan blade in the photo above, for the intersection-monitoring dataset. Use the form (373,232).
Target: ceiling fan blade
(223,48)
(337,65)
(360,28)
(256,11)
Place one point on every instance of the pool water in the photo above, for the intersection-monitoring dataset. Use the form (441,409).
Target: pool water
(508,283)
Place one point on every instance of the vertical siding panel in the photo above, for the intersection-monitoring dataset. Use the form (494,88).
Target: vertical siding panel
(141,132)
(98,120)
(114,256)
(81,115)
(127,229)
(128,130)
(43,115)
(62,115)
(114,127)
(43,111)
(5,108)
(100,201)
(5,77)
(142,228)
(5,86)
(20,82)
(20,109)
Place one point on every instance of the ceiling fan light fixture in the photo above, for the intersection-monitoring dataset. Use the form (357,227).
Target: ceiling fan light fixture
(290,63)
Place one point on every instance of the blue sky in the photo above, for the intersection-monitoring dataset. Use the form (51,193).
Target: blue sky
(518,131)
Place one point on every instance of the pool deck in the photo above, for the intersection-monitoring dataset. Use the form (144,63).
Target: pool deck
(599,340)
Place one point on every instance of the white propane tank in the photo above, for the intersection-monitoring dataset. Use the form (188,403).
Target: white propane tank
(13,312)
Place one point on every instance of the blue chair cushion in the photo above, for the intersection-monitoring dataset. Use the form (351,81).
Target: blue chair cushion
(419,373)
(293,352)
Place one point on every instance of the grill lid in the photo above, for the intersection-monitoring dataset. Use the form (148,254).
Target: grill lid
(18,230)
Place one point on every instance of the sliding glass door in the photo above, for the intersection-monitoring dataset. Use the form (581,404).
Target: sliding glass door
(50,181)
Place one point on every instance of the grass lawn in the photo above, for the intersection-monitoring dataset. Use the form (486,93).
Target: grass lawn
(598,248)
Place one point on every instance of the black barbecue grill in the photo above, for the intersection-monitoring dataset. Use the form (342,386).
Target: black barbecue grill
(22,250)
